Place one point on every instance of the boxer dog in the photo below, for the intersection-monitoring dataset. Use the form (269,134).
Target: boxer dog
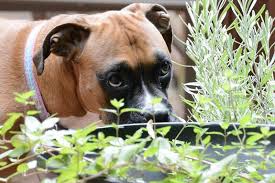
(78,63)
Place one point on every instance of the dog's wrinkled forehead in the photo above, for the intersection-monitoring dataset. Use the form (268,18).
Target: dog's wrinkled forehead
(136,31)
(127,36)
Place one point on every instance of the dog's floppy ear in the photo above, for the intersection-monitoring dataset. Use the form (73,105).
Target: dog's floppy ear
(66,40)
(158,15)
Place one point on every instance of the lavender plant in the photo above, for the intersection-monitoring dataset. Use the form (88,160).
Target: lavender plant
(234,78)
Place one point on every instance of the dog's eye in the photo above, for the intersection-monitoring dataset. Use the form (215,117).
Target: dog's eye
(165,69)
(115,81)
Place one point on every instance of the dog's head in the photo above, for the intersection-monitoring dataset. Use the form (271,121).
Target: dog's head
(117,54)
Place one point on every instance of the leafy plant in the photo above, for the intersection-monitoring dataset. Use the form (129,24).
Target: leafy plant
(86,154)
(234,78)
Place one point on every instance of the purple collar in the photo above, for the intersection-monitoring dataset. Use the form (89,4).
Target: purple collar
(28,67)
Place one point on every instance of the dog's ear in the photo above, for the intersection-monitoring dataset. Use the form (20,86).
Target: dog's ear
(158,15)
(66,40)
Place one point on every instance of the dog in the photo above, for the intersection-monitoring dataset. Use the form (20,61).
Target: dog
(78,63)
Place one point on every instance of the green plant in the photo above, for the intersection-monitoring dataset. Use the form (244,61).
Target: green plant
(81,155)
(234,78)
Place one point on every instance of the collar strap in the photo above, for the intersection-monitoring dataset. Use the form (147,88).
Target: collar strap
(28,67)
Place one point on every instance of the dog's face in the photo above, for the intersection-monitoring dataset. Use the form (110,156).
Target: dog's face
(118,54)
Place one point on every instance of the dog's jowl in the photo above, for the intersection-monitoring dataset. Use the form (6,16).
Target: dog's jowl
(78,63)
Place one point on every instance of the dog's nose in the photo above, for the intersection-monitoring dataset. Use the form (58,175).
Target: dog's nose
(158,116)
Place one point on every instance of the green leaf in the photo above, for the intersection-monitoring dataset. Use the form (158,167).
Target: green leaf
(265,131)
(9,123)
(20,100)
(245,119)
(117,103)
(188,102)
(100,136)
(125,110)
(57,162)
(19,151)
(27,95)
(236,132)
(229,147)
(224,125)
(164,130)
(226,86)
(215,133)
(150,151)
(88,147)
(23,97)
(22,168)
(133,138)
(3,163)
(206,140)
(238,54)
(260,13)
(203,99)
(68,150)
(224,12)
(218,167)
(199,131)
(138,133)
(32,124)
(128,152)
(236,10)
(81,133)
(32,112)
(252,139)
(266,77)
(19,140)
(272,153)
(67,177)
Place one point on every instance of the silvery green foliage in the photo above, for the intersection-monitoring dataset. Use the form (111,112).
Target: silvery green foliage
(234,79)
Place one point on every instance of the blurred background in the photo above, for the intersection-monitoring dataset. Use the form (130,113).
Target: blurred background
(43,9)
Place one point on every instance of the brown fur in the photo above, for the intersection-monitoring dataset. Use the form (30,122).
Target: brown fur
(70,87)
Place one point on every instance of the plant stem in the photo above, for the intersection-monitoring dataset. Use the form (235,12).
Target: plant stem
(117,127)
(102,172)
(22,160)
(18,162)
